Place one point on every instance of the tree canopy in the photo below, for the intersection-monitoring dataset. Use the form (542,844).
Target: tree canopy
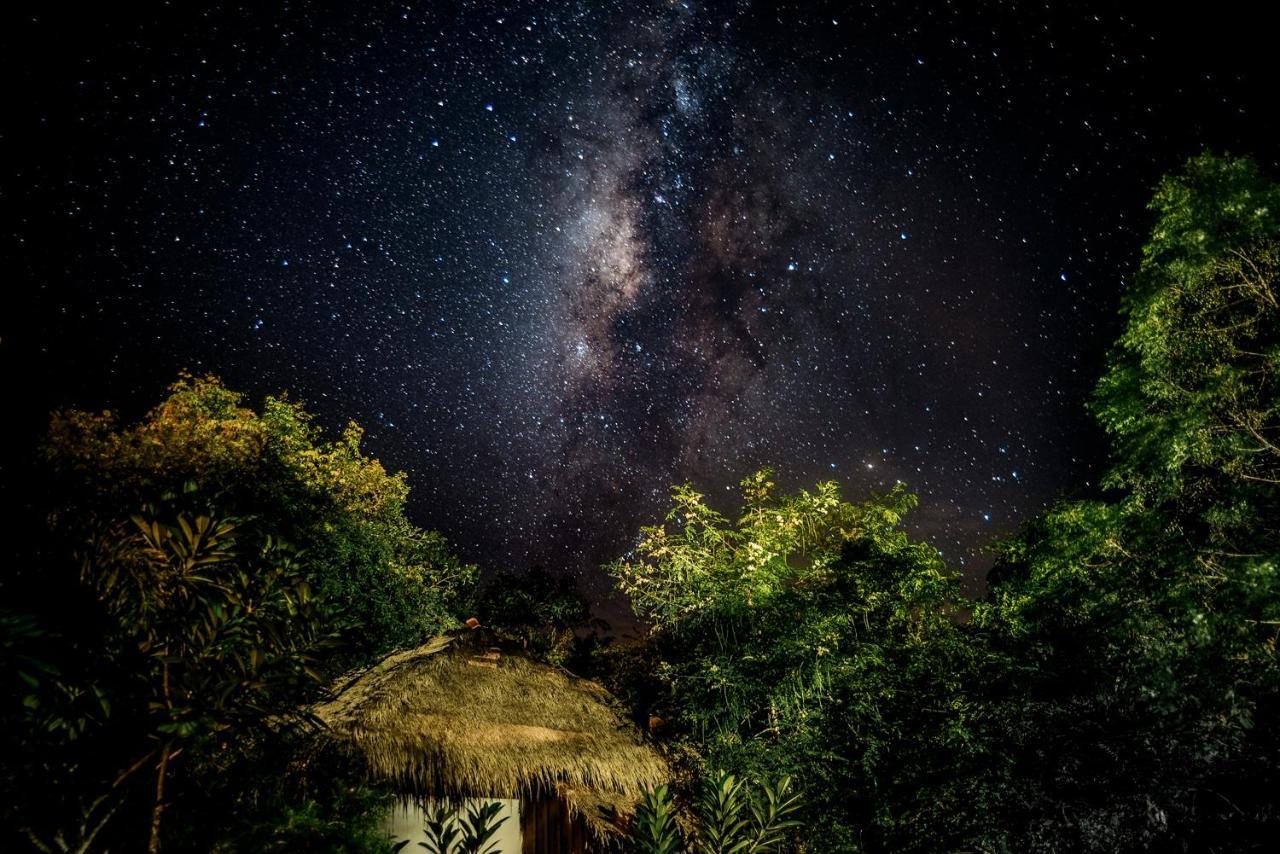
(202,571)
(811,637)
(1143,626)
(385,581)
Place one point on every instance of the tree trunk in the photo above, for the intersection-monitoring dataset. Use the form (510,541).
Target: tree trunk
(153,846)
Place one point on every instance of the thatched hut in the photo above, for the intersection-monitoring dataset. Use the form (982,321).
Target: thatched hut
(460,718)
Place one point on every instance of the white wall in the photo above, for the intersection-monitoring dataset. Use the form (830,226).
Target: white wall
(408,817)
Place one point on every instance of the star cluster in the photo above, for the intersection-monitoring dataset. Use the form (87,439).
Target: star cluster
(558,256)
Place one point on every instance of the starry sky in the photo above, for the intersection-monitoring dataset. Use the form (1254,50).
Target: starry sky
(557,256)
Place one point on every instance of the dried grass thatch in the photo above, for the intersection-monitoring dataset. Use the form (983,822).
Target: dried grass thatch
(454,718)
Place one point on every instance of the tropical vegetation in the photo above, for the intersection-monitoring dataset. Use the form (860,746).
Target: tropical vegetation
(179,612)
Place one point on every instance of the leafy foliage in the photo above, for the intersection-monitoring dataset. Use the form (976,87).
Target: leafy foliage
(219,629)
(770,812)
(1139,632)
(220,623)
(373,573)
(1191,394)
(201,570)
(723,815)
(731,818)
(539,610)
(811,638)
(441,829)
(480,826)
(1120,690)
(654,829)
(270,796)
(448,831)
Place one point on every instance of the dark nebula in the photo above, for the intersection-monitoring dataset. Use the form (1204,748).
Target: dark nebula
(558,256)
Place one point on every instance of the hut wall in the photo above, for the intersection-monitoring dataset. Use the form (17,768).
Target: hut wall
(548,828)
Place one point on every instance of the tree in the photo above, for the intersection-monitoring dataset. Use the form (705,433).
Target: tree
(1140,631)
(812,638)
(539,610)
(1190,394)
(374,574)
(201,571)
(224,628)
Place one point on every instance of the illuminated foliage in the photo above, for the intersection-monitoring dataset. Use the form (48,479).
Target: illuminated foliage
(375,574)
(203,571)
(811,638)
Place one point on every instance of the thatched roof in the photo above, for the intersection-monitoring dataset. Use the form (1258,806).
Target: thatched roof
(456,718)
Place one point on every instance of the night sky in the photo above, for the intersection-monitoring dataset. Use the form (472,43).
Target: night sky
(556,257)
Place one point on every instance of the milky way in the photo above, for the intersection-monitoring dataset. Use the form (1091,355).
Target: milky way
(559,256)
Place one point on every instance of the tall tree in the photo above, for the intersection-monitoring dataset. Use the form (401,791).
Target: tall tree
(1141,630)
